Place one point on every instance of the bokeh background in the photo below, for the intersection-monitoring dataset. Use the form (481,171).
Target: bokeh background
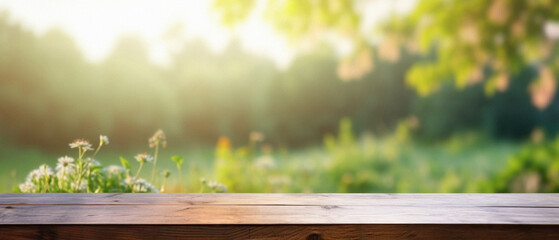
(289,96)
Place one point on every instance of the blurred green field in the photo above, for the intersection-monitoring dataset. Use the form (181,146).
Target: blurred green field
(344,163)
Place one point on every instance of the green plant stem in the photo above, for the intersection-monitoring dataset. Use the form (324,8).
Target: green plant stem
(79,168)
(63,176)
(47,183)
(154,161)
(139,169)
(79,154)
(79,179)
(180,175)
(163,185)
(97,150)
(81,173)
(88,178)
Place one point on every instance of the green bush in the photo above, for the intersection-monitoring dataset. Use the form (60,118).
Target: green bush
(534,169)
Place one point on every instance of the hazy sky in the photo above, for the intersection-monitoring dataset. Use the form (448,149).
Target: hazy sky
(96,24)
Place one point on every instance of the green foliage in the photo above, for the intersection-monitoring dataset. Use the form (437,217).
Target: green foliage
(506,115)
(125,163)
(393,163)
(229,164)
(301,19)
(352,164)
(534,169)
(296,19)
(472,36)
(468,37)
(178,160)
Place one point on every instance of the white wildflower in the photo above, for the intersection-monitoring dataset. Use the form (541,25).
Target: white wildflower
(65,161)
(103,140)
(81,143)
(28,187)
(114,170)
(92,163)
(127,181)
(34,175)
(139,185)
(37,174)
(157,138)
(143,158)
(45,171)
(65,166)
(138,188)
(217,187)
(82,187)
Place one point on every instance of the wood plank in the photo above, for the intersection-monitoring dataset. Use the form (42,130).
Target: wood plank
(355,231)
(504,200)
(161,214)
(514,209)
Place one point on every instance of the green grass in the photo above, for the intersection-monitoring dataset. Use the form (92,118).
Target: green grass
(394,163)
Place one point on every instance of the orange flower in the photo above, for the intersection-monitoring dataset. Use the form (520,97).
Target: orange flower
(223,143)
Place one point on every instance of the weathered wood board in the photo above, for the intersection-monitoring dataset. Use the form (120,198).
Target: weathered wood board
(280,216)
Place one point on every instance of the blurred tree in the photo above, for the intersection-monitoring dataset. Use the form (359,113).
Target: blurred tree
(138,99)
(307,22)
(232,101)
(480,41)
(468,36)
(297,19)
(51,94)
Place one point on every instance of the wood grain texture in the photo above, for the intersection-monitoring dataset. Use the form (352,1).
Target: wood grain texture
(347,231)
(279,216)
(279,208)
(513,199)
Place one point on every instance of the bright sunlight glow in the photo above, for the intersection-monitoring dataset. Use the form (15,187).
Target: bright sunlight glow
(97,24)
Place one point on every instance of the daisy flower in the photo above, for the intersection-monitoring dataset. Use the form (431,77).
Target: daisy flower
(64,166)
(28,187)
(143,158)
(45,170)
(81,143)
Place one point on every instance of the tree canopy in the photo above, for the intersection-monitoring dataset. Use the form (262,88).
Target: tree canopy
(470,42)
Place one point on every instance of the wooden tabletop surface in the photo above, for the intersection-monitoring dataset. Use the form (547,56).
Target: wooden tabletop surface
(257,209)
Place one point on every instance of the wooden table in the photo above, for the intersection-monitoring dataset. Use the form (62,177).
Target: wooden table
(279,216)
